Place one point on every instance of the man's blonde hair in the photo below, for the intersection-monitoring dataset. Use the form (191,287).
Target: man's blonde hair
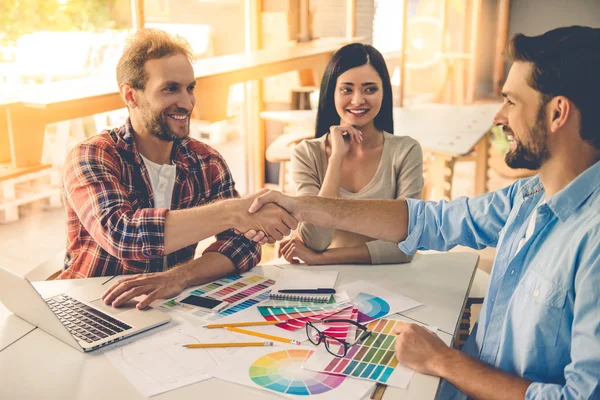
(148,44)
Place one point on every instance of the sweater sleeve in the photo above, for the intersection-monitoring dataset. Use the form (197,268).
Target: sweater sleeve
(409,184)
(308,182)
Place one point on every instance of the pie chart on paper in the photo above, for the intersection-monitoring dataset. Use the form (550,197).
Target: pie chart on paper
(370,307)
(281,372)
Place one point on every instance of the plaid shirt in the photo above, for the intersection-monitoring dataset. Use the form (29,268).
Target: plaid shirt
(112,227)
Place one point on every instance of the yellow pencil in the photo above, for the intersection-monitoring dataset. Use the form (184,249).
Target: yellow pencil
(262,335)
(257,323)
(238,344)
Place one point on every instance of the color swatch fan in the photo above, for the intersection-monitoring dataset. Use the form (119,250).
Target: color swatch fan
(370,307)
(373,359)
(342,330)
(375,302)
(279,372)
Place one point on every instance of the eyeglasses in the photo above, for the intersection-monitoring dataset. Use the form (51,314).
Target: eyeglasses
(335,346)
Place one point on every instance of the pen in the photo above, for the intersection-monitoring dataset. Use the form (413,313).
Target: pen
(309,291)
(238,344)
(262,335)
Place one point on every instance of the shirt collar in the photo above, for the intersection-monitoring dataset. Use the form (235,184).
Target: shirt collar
(570,198)
(181,154)
(532,187)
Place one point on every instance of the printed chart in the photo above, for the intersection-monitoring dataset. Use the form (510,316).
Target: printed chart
(342,330)
(370,307)
(239,306)
(279,371)
(155,362)
(273,371)
(372,360)
(294,318)
(375,302)
(240,291)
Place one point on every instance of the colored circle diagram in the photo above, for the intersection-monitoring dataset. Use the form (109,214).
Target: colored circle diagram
(281,372)
(370,307)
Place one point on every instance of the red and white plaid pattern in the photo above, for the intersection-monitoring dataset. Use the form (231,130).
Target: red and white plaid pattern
(112,227)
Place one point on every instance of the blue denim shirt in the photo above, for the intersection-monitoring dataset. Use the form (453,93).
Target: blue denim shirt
(541,315)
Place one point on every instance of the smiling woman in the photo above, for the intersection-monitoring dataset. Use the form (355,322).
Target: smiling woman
(354,155)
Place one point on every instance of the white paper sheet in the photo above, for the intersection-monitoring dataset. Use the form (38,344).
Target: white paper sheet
(156,362)
(279,370)
(375,302)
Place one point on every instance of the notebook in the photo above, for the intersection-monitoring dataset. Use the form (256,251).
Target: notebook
(297,279)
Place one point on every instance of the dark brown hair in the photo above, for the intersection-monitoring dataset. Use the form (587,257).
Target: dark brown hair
(565,62)
(351,56)
(148,44)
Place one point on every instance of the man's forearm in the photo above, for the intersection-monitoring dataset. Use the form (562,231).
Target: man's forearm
(346,255)
(380,219)
(479,380)
(209,267)
(186,227)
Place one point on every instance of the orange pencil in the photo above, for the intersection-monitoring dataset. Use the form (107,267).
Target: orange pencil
(262,335)
(257,323)
(237,344)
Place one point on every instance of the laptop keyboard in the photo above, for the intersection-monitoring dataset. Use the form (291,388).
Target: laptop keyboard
(84,322)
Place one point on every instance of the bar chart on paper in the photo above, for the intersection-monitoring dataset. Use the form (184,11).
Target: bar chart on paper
(372,359)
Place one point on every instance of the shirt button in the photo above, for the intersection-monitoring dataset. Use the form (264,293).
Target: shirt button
(512,272)
(536,293)
(162,186)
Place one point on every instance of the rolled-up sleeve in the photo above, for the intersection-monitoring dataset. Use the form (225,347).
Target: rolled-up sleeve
(93,189)
(244,253)
(472,222)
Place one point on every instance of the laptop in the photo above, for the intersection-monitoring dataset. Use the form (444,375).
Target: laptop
(78,318)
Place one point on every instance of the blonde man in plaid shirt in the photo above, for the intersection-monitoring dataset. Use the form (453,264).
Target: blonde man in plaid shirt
(140,197)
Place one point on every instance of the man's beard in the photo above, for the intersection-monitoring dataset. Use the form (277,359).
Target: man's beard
(156,124)
(535,154)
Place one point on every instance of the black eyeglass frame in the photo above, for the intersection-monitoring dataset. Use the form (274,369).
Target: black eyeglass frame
(322,337)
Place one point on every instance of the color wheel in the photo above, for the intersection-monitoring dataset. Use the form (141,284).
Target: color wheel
(370,307)
(281,372)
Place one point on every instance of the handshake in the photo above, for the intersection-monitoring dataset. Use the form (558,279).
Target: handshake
(268,216)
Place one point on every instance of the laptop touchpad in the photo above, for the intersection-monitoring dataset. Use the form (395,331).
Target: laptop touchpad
(99,304)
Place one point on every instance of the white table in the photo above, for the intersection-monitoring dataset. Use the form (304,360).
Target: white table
(449,131)
(40,366)
(13,328)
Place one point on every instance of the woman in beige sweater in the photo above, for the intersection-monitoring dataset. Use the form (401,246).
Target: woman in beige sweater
(354,155)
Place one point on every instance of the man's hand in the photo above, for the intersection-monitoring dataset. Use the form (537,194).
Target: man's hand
(420,349)
(272,220)
(295,248)
(289,203)
(158,285)
(258,237)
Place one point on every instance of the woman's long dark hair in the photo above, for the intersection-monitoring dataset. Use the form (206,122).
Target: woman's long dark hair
(351,56)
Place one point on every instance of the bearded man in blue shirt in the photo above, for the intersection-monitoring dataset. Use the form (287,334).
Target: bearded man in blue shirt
(538,335)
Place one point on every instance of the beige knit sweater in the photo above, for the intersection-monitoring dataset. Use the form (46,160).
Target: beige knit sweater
(399,175)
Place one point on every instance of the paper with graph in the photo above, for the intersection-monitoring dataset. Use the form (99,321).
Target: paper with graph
(156,362)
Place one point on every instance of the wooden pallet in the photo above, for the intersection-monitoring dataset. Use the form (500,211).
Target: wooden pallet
(22,187)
